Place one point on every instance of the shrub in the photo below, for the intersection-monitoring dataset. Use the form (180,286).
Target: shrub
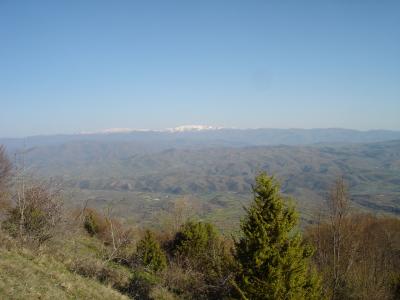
(149,253)
(94,223)
(5,167)
(5,174)
(115,277)
(161,293)
(142,283)
(35,215)
(194,240)
(200,249)
(185,282)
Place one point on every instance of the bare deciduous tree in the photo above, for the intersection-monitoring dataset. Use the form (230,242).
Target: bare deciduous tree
(5,174)
(5,167)
(180,211)
(120,237)
(338,208)
(35,215)
(35,209)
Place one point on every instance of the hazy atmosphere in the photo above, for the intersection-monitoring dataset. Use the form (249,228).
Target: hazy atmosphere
(73,66)
(200,150)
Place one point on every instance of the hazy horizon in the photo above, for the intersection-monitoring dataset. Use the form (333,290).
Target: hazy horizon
(176,130)
(68,66)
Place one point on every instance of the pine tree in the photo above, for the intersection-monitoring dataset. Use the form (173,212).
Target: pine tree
(195,240)
(274,262)
(149,253)
(200,248)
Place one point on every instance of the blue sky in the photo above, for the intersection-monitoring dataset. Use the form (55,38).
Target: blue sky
(71,66)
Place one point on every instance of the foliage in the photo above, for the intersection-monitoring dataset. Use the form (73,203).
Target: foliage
(5,174)
(5,167)
(199,248)
(274,261)
(142,284)
(194,239)
(94,223)
(357,255)
(90,225)
(95,268)
(27,275)
(149,253)
(35,216)
(306,173)
(370,260)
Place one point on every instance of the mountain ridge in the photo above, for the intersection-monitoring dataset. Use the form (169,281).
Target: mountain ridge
(216,136)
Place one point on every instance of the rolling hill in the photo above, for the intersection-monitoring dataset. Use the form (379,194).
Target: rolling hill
(141,176)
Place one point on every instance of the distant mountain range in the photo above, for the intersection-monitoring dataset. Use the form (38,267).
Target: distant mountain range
(183,128)
(217,166)
(206,136)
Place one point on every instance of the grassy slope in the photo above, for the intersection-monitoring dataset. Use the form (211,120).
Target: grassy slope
(25,275)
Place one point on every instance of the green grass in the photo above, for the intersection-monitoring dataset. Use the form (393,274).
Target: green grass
(24,275)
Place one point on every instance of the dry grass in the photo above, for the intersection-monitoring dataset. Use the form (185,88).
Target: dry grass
(24,275)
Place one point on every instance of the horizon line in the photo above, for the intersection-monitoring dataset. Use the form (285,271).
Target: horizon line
(187,129)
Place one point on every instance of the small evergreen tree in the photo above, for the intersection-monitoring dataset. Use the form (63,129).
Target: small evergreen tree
(149,253)
(199,247)
(194,240)
(273,260)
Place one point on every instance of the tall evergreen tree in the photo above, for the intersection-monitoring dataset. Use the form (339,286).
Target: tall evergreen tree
(274,262)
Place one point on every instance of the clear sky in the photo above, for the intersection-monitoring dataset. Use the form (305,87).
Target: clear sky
(71,66)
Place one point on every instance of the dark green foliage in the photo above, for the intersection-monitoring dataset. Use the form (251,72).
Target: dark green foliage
(149,253)
(396,287)
(274,262)
(33,224)
(194,240)
(199,247)
(141,284)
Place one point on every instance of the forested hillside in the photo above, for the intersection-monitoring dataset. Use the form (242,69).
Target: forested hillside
(218,179)
(48,250)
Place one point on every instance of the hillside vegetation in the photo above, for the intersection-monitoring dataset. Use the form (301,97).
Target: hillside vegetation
(26,276)
(49,251)
(217,180)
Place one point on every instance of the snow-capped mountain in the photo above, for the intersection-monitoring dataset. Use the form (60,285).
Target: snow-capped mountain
(115,130)
(183,128)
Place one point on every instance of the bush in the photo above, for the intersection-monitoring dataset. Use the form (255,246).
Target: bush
(5,168)
(142,284)
(199,249)
(185,282)
(35,216)
(161,293)
(149,253)
(114,236)
(94,223)
(194,240)
(101,271)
